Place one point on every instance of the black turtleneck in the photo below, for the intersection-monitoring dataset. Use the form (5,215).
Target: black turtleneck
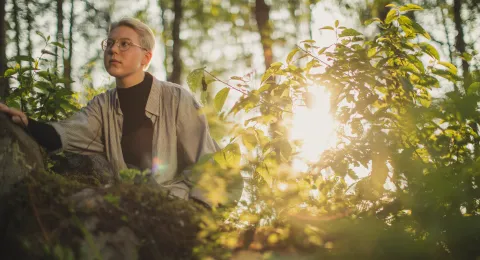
(137,131)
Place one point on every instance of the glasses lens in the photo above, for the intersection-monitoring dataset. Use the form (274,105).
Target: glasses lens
(124,44)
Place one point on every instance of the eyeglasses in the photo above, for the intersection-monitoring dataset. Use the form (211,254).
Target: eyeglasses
(123,44)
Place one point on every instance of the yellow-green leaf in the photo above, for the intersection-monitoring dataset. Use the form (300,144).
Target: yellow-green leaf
(220,98)
(9,72)
(473,88)
(391,16)
(291,54)
(430,50)
(326,28)
(370,21)
(449,65)
(194,79)
(410,7)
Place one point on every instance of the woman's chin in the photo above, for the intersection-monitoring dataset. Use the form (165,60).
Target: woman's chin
(114,72)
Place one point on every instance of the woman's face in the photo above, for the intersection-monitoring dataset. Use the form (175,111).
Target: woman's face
(119,63)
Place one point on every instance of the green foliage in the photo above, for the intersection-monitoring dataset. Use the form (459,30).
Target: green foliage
(427,149)
(38,89)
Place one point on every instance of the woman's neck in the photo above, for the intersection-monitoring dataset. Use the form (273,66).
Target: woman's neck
(130,80)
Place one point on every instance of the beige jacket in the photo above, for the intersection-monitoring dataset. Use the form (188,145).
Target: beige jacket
(180,134)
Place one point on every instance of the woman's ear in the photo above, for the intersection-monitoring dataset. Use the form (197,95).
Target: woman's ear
(146,59)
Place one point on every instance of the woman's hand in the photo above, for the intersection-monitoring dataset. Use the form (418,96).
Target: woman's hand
(17,116)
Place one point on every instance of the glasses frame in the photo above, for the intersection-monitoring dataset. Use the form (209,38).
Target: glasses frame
(105,47)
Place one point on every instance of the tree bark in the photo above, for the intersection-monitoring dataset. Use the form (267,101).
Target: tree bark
(4,86)
(177,43)
(16,20)
(67,72)
(459,39)
(59,36)
(262,16)
(163,8)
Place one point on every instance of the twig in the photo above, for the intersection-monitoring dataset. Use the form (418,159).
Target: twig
(230,86)
(311,55)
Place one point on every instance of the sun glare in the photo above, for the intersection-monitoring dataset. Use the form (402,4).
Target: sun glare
(315,127)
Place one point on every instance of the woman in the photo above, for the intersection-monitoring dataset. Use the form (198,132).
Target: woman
(143,123)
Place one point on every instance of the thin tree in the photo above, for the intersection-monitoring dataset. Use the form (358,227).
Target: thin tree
(262,17)
(4,86)
(177,43)
(67,72)
(59,36)
(460,44)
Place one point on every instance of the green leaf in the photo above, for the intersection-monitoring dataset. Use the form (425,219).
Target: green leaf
(418,63)
(407,85)
(430,50)
(370,21)
(336,23)
(220,98)
(67,105)
(263,172)
(349,32)
(249,138)
(473,88)
(322,50)
(59,45)
(371,52)
(266,76)
(391,5)
(41,35)
(452,68)
(44,74)
(9,72)
(42,86)
(410,7)
(447,74)
(425,101)
(20,58)
(406,24)
(194,79)
(229,157)
(327,28)
(276,65)
(419,29)
(467,56)
(391,16)
(64,80)
(291,54)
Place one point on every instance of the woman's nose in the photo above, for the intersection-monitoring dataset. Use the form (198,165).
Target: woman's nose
(113,49)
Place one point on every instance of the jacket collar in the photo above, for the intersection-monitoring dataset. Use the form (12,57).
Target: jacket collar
(153,101)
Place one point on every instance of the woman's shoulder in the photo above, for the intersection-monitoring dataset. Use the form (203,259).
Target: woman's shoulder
(171,90)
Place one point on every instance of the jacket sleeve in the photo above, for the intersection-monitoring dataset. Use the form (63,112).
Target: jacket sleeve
(82,132)
(195,140)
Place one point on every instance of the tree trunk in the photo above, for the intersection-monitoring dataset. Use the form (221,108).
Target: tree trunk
(163,8)
(177,43)
(67,73)
(262,16)
(459,39)
(4,86)
(16,20)
(59,36)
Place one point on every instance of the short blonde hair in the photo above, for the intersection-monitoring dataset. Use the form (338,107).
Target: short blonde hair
(147,38)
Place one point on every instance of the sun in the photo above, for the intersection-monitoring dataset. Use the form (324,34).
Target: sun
(314,126)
